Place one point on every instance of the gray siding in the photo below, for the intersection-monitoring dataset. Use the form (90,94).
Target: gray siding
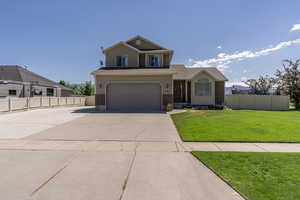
(4,89)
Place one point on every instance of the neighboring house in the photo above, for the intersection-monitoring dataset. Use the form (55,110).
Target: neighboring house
(237,89)
(240,89)
(16,81)
(138,76)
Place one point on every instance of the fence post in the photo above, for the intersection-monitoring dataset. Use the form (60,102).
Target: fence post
(41,101)
(28,103)
(49,101)
(271,102)
(9,104)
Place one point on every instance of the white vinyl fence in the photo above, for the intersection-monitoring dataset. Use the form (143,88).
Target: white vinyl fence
(90,101)
(257,102)
(11,104)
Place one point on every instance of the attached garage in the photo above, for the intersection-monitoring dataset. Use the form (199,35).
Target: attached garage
(133,97)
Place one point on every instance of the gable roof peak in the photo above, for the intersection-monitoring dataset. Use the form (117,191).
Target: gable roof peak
(149,41)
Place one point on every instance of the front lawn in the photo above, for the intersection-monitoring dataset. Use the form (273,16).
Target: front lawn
(257,176)
(238,125)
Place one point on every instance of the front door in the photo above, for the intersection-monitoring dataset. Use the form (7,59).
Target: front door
(179,91)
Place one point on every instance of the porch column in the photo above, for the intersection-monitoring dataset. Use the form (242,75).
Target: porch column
(186,91)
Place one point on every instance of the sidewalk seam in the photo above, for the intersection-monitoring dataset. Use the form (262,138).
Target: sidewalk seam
(128,174)
(54,175)
(261,147)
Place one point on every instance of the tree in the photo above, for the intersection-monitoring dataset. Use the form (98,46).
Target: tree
(88,89)
(261,86)
(288,80)
(62,82)
(66,84)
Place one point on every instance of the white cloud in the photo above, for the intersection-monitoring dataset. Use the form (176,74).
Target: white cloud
(295,27)
(223,60)
(219,47)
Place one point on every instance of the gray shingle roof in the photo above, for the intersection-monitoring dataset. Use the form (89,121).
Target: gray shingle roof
(187,73)
(20,74)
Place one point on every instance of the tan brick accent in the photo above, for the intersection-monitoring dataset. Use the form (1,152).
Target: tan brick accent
(167,98)
(100,99)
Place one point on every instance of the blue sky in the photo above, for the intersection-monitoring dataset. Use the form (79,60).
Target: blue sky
(61,39)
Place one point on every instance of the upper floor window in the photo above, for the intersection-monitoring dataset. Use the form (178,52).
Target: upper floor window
(203,87)
(122,61)
(154,60)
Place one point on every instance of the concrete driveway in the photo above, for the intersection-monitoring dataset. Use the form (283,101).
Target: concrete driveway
(18,125)
(64,159)
(113,126)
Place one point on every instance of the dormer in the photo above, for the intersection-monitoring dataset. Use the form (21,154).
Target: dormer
(137,52)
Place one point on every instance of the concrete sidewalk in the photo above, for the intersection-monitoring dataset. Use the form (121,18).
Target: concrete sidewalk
(242,147)
(131,146)
(60,175)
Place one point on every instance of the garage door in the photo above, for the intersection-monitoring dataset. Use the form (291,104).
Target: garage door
(133,97)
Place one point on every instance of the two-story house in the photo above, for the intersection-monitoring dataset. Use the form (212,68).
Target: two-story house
(138,76)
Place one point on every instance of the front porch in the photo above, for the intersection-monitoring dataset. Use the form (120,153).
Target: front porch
(182,94)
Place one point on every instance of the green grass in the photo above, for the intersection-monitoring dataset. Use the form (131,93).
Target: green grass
(238,125)
(257,176)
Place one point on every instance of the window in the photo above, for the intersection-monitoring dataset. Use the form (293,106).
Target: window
(36,91)
(203,88)
(12,92)
(50,92)
(122,61)
(154,60)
